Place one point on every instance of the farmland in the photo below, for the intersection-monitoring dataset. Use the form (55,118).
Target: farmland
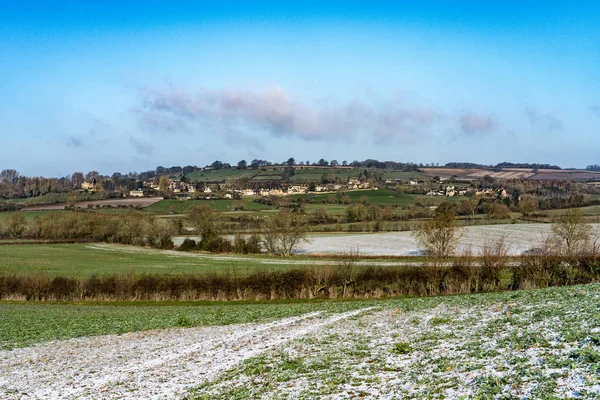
(84,260)
(27,324)
(181,207)
(519,237)
(302,174)
(515,173)
(540,344)
(533,344)
(129,202)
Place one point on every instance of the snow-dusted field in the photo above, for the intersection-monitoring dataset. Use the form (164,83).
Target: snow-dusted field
(159,364)
(527,344)
(519,237)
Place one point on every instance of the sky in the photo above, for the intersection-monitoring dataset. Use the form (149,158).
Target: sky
(127,86)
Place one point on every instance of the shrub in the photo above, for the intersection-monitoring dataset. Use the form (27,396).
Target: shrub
(188,245)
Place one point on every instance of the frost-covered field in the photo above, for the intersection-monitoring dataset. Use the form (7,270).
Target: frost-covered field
(542,344)
(527,344)
(520,237)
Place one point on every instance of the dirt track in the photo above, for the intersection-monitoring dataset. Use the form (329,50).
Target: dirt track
(155,364)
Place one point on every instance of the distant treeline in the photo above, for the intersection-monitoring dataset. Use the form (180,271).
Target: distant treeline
(468,165)
(350,280)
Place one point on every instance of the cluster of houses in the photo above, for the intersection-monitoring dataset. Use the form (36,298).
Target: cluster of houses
(452,191)
(299,189)
(184,190)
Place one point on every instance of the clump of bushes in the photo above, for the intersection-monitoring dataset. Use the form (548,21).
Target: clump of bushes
(463,275)
(218,244)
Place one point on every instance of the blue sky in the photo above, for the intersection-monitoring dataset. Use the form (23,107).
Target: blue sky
(126,86)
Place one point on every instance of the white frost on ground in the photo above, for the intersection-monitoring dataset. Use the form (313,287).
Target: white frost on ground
(520,237)
(143,365)
(529,344)
(526,348)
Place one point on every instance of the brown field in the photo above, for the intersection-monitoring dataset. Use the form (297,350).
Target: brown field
(137,201)
(516,173)
(449,171)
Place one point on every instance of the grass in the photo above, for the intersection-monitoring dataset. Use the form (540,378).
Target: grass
(84,260)
(26,324)
(220,175)
(527,344)
(301,175)
(587,211)
(184,206)
(379,197)
(29,215)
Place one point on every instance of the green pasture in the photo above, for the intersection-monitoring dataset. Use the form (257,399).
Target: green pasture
(84,260)
(333,209)
(588,211)
(393,174)
(220,175)
(29,215)
(184,206)
(379,197)
(24,324)
(316,174)
(301,175)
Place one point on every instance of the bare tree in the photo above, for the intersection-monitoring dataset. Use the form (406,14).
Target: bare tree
(92,176)
(571,231)
(283,232)
(77,179)
(439,235)
(204,219)
(9,176)
(346,262)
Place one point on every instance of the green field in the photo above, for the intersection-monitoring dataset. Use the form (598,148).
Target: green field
(220,175)
(300,175)
(184,206)
(25,324)
(379,197)
(316,174)
(539,344)
(84,260)
(392,174)
(29,215)
(588,211)
(333,209)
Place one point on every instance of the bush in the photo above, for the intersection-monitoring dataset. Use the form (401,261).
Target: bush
(358,281)
(188,245)
(217,245)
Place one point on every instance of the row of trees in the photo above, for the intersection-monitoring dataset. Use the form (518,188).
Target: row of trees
(570,234)
(281,234)
(132,227)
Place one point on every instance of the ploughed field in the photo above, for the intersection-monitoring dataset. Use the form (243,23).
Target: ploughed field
(525,344)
